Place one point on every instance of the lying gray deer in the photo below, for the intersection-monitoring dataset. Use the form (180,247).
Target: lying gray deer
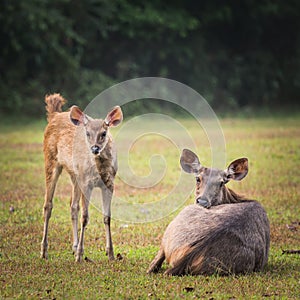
(231,237)
(84,147)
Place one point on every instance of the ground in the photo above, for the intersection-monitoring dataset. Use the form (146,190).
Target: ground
(272,146)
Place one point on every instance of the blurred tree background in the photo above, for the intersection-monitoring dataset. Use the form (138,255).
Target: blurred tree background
(237,54)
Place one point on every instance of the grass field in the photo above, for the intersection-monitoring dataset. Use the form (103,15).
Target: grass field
(272,146)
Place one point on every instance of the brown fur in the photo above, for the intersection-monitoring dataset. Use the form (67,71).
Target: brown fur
(69,147)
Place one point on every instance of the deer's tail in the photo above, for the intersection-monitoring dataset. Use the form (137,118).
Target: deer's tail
(54,103)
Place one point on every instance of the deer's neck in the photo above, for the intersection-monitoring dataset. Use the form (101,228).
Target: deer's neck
(229,196)
(105,167)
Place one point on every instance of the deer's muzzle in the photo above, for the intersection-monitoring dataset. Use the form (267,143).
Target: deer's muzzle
(95,149)
(203,202)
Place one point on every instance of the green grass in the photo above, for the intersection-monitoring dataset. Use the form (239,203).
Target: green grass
(272,146)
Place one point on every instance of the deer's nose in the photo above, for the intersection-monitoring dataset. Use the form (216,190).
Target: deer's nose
(203,202)
(95,149)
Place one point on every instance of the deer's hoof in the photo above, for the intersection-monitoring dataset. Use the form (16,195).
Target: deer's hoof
(109,252)
(44,254)
(74,248)
(78,258)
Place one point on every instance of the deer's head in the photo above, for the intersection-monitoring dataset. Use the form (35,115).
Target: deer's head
(96,130)
(210,183)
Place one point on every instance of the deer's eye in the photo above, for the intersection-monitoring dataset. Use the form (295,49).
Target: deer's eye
(198,180)
(103,135)
(88,134)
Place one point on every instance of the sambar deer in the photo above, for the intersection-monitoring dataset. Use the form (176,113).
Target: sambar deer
(228,238)
(83,147)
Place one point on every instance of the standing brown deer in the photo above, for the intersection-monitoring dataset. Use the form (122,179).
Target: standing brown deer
(227,238)
(83,147)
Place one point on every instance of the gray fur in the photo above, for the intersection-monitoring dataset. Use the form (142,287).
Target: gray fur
(226,239)
(229,238)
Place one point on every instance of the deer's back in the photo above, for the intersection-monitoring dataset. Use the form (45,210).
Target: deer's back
(65,144)
(229,233)
(58,138)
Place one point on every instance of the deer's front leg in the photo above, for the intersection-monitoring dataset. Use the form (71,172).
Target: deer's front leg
(157,262)
(85,199)
(106,205)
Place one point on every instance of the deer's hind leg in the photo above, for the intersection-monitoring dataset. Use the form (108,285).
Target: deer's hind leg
(157,262)
(53,170)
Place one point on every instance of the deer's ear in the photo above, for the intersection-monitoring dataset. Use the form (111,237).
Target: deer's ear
(238,169)
(189,162)
(77,117)
(114,117)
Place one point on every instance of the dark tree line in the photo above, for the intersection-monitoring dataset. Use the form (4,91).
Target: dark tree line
(235,53)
